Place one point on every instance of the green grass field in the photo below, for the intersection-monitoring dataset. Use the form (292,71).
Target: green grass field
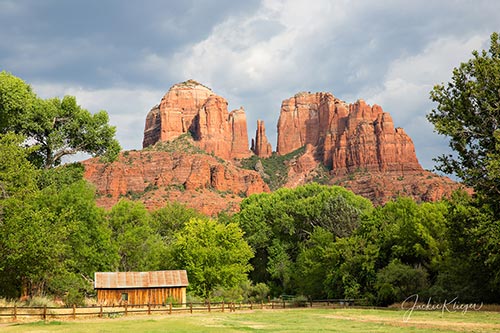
(293,320)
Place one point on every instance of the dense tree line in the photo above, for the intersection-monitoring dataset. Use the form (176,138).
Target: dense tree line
(305,246)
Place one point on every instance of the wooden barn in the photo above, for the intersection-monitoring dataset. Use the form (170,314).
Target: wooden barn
(136,288)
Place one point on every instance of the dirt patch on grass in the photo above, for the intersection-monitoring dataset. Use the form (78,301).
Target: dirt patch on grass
(458,326)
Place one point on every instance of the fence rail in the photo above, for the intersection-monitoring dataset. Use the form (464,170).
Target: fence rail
(15,313)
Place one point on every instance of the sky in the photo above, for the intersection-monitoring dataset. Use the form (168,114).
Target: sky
(123,56)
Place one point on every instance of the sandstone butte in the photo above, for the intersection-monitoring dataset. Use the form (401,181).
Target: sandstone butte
(351,145)
(191,107)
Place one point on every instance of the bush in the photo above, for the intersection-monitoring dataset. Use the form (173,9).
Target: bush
(300,301)
(397,281)
(234,294)
(173,301)
(192,298)
(259,292)
(74,297)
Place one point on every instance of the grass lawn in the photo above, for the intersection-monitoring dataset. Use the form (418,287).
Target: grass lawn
(293,320)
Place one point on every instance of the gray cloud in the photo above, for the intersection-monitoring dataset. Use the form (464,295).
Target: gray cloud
(122,56)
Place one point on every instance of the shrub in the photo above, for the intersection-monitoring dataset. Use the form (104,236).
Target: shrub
(173,301)
(74,297)
(300,301)
(397,281)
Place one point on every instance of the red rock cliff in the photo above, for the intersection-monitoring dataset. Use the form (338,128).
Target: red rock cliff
(194,108)
(198,180)
(346,137)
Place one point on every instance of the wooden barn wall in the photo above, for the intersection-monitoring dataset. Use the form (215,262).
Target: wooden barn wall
(141,296)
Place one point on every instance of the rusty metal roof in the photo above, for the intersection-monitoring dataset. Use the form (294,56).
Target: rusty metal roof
(155,279)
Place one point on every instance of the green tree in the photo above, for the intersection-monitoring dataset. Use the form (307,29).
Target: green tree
(412,233)
(33,247)
(58,127)
(398,281)
(280,266)
(18,186)
(330,267)
(470,270)
(89,233)
(138,244)
(317,258)
(16,101)
(214,255)
(172,217)
(468,112)
(52,240)
(18,177)
(276,224)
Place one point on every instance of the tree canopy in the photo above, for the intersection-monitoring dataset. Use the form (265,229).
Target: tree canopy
(58,127)
(214,255)
(468,112)
(276,224)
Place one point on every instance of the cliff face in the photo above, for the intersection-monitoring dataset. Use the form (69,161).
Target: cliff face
(198,180)
(194,108)
(346,137)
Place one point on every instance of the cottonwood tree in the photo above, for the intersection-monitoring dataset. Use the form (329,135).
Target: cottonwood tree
(215,255)
(468,112)
(59,127)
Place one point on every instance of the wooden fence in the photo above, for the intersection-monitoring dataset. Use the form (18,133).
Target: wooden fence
(16,313)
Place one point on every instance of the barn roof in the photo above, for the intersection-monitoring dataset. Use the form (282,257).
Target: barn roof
(155,279)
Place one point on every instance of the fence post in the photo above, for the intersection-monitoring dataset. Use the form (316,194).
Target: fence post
(74,311)
(191,307)
(44,316)
(100,312)
(126,310)
(222,306)
(209,306)
(251,305)
(261,305)
(283,304)
(15,312)
(149,308)
(170,308)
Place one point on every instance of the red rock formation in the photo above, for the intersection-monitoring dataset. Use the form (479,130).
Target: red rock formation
(261,147)
(381,187)
(347,137)
(239,132)
(352,145)
(301,170)
(192,107)
(175,113)
(198,180)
